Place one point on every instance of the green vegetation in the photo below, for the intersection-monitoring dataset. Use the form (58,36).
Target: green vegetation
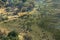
(11,36)
(41,25)
(29,24)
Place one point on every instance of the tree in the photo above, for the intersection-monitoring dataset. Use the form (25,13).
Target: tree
(13,35)
(24,1)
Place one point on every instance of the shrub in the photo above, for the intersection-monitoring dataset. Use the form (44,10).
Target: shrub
(13,35)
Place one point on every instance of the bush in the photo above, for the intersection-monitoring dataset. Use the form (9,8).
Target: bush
(13,35)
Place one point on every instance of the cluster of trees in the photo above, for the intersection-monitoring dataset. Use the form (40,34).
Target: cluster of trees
(22,5)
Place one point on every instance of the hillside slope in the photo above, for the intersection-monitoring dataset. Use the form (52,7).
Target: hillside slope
(24,24)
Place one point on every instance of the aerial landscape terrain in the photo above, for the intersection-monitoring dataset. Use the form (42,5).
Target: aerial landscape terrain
(29,19)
